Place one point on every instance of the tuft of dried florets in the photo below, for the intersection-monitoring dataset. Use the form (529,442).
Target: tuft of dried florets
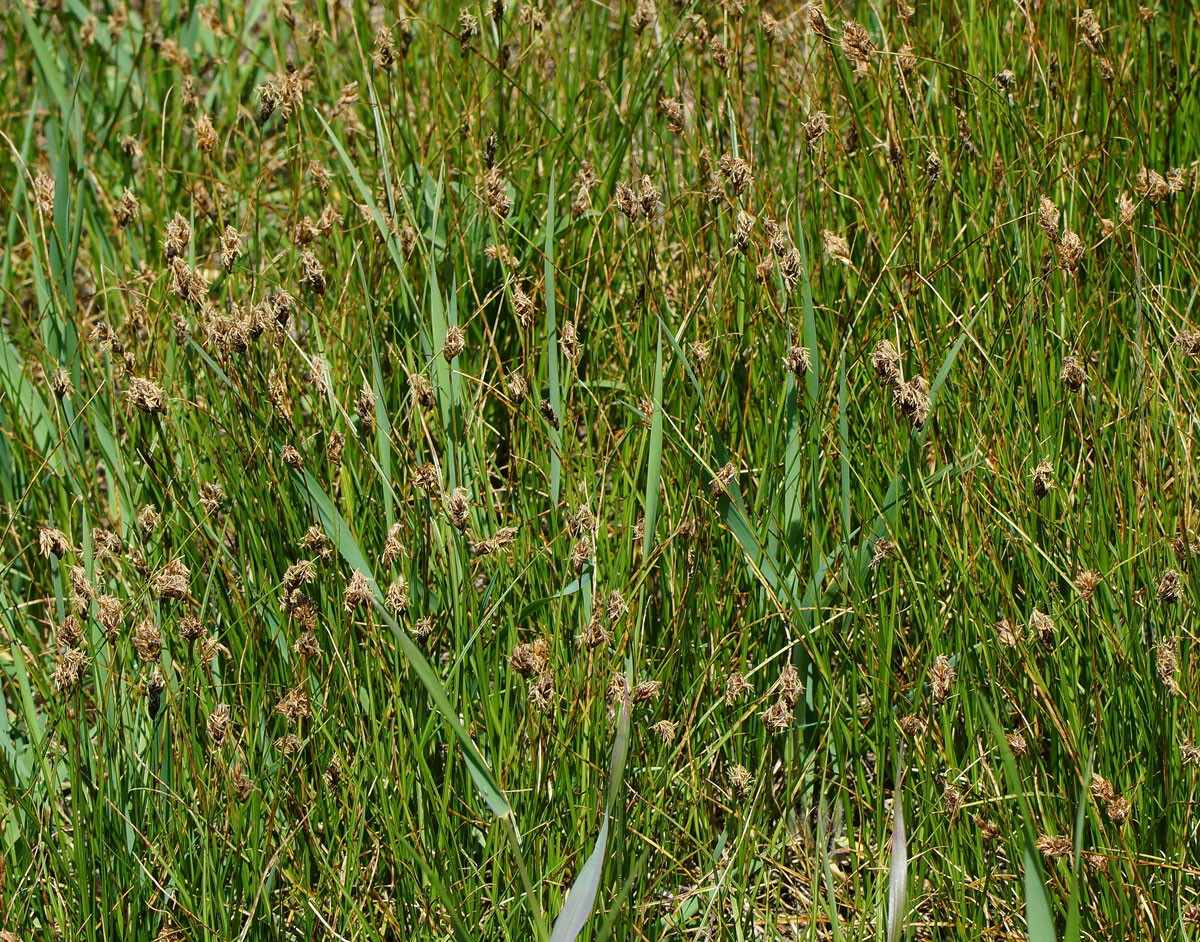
(885,360)
(147,640)
(1167,657)
(69,671)
(1043,628)
(171,582)
(1072,374)
(814,129)
(1086,583)
(1043,478)
(836,248)
(1170,587)
(857,46)
(736,687)
(458,507)
(1070,250)
(454,343)
(146,396)
(218,724)
(788,687)
(777,717)
(941,678)
(53,542)
(397,596)
(357,592)
(1047,218)
(128,208)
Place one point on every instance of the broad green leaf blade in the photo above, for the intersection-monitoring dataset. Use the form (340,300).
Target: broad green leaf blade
(582,896)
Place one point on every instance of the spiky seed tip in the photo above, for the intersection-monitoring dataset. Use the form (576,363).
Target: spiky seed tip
(1016,743)
(397,596)
(1047,218)
(723,478)
(777,717)
(885,360)
(549,414)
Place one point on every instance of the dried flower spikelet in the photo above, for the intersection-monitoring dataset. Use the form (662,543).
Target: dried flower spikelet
(397,596)
(231,247)
(128,208)
(529,659)
(454,343)
(1043,478)
(70,630)
(1089,31)
(522,306)
(1119,810)
(700,351)
(69,671)
(294,706)
(299,574)
(1042,627)
(1006,79)
(191,628)
(1176,181)
(518,388)
(364,408)
(952,801)
(218,724)
(1054,846)
(672,110)
(912,399)
(546,407)
(1189,754)
(723,478)
(458,507)
(1016,743)
(736,687)
(423,628)
(177,237)
(1152,185)
(777,717)
(357,592)
(743,229)
(468,30)
(148,519)
(857,46)
(836,248)
(883,549)
(1047,218)
(614,607)
(171,582)
(797,361)
(1170,587)
(1072,374)
(649,197)
(933,169)
(392,548)
(645,17)
(814,129)
(740,780)
(737,173)
(43,194)
(569,341)
(383,56)
(788,687)
(941,678)
(211,494)
(1126,209)
(291,457)
(666,731)
(53,542)
(885,360)
(496,194)
(645,690)
(581,552)
(312,273)
(146,396)
(1167,656)
(1070,250)
(1086,583)
(147,640)
(594,633)
(427,479)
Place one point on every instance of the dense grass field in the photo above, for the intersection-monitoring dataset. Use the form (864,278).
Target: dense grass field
(600,471)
